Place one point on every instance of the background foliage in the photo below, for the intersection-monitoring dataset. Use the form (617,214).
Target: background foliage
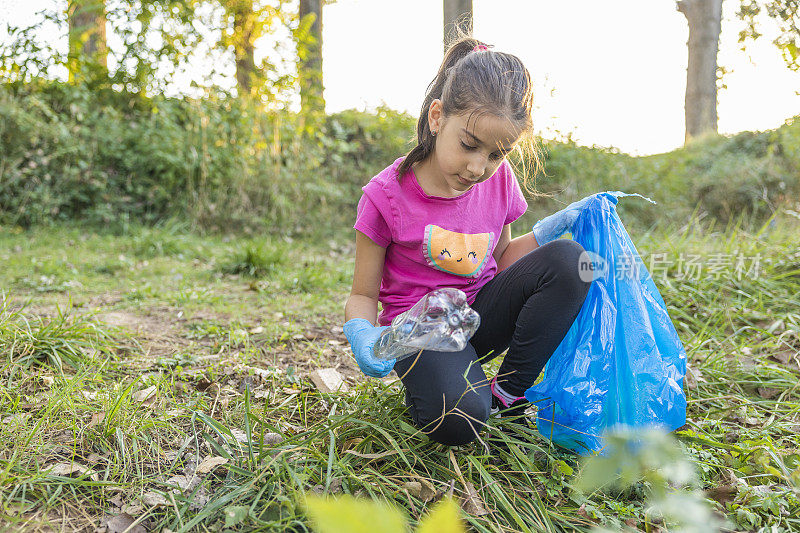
(73,152)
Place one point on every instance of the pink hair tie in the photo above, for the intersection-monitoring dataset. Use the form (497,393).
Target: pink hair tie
(480,48)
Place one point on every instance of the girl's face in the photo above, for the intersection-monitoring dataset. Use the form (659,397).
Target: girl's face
(468,150)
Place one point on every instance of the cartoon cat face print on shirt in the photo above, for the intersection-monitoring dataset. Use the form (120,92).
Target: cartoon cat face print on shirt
(462,254)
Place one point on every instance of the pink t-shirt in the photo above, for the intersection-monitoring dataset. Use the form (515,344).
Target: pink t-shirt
(434,242)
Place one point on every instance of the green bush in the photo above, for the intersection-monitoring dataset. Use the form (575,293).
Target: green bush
(111,158)
(743,177)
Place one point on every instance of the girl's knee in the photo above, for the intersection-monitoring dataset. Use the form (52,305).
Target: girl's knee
(460,422)
(564,253)
(571,264)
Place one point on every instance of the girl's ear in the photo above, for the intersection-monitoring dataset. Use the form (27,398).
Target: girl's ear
(435,115)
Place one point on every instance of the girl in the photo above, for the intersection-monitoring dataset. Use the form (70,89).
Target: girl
(440,217)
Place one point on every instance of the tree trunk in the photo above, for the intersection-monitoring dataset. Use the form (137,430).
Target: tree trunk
(87,36)
(244,43)
(310,63)
(457,16)
(705,23)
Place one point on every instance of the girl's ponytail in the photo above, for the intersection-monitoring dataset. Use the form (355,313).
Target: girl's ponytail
(458,50)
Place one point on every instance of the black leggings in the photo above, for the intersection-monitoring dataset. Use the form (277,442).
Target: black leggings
(527,308)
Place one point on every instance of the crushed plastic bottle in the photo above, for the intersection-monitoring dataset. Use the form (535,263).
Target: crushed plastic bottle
(441,321)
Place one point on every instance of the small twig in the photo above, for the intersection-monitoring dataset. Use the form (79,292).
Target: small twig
(214,407)
(412,364)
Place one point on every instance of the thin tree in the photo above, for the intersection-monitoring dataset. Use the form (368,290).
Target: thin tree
(245,31)
(87,37)
(310,56)
(700,104)
(457,19)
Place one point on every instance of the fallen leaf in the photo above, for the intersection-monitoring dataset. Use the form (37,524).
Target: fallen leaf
(260,394)
(286,426)
(427,491)
(171,455)
(328,380)
(335,485)
(260,372)
(723,493)
(64,437)
(768,393)
(783,356)
(731,437)
(65,469)
(239,435)
(422,489)
(203,383)
(244,384)
(763,490)
(97,418)
(185,483)
(17,419)
(745,420)
(132,509)
(200,499)
(413,487)
(145,394)
(210,463)
(33,406)
(95,458)
(471,502)
(273,439)
(124,523)
(154,499)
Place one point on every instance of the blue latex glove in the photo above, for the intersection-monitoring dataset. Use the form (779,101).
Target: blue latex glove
(554,226)
(362,336)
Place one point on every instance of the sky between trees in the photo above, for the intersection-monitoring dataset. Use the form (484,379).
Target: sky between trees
(611,74)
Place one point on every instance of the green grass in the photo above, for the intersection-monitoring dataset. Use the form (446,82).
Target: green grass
(192,358)
(62,340)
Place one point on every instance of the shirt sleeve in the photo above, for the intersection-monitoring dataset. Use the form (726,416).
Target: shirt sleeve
(517,205)
(371,223)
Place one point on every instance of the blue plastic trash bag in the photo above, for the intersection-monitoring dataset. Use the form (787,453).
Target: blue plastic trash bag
(621,363)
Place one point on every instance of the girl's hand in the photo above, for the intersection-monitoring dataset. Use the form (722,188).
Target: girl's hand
(362,336)
(552,227)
